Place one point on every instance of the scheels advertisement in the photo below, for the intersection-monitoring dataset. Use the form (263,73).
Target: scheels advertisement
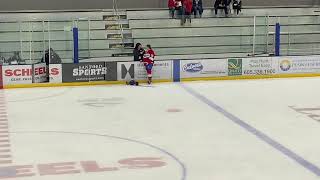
(55,73)
(40,73)
(24,74)
(18,74)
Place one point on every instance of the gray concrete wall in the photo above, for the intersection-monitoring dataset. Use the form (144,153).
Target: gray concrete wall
(7,5)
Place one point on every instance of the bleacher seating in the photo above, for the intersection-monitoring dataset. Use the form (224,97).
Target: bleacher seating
(227,35)
(105,34)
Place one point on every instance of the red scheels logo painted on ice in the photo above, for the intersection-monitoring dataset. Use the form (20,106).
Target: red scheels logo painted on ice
(67,168)
(63,168)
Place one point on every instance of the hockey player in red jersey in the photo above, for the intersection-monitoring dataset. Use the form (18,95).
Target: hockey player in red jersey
(148,60)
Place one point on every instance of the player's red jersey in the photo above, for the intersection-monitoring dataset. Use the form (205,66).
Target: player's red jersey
(149,56)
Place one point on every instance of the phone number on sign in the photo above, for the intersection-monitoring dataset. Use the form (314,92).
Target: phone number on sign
(260,72)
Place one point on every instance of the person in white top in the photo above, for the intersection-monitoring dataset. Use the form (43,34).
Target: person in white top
(180,9)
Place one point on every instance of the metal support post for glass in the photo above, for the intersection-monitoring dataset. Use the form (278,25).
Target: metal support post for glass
(116,13)
(89,38)
(44,40)
(267,34)
(289,40)
(254,36)
(49,41)
(20,36)
(30,41)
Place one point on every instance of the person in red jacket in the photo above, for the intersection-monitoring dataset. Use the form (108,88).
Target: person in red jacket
(180,10)
(172,7)
(148,60)
(188,5)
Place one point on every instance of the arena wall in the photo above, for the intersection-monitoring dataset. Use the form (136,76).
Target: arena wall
(10,5)
(100,73)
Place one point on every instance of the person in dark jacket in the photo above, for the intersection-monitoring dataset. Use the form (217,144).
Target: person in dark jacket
(221,4)
(138,52)
(51,57)
(197,8)
(236,6)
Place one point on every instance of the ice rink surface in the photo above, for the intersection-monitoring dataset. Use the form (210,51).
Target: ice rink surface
(219,130)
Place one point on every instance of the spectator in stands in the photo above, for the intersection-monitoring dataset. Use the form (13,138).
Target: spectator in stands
(138,52)
(188,10)
(179,8)
(2,60)
(236,6)
(197,8)
(221,4)
(171,6)
(16,59)
(51,57)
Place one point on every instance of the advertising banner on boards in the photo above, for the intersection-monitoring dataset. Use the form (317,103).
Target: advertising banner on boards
(259,66)
(55,73)
(137,70)
(17,74)
(203,68)
(40,73)
(89,71)
(294,65)
(234,67)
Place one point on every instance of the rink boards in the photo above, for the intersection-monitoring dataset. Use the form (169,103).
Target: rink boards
(99,73)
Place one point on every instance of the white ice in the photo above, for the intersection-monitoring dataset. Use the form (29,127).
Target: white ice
(106,124)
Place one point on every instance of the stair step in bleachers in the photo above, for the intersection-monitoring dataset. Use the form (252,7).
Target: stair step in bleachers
(120,45)
(116,26)
(118,34)
(121,21)
(115,16)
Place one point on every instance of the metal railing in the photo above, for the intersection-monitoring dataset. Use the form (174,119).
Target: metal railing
(29,41)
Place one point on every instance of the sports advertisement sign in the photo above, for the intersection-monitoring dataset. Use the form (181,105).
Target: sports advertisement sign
(90,71)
